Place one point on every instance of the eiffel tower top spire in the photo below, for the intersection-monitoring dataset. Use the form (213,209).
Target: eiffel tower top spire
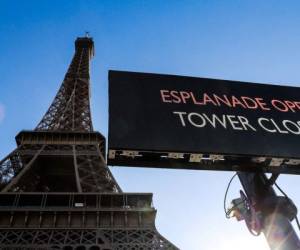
(70,109)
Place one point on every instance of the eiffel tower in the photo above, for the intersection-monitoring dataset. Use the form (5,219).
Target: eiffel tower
(56,189)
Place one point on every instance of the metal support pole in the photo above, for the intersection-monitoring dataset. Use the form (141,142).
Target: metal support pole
(276,224)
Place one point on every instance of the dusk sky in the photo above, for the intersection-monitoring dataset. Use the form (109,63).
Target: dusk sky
(254,41)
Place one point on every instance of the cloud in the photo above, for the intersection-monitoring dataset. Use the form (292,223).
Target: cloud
(2,112)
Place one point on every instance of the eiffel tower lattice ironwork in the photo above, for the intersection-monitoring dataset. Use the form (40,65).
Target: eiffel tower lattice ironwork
(57,191)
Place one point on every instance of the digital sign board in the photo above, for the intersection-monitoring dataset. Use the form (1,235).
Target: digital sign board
(185,122)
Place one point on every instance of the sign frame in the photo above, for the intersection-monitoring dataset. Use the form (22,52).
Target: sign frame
(125,86)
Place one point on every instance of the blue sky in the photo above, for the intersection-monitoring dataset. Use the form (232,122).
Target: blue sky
(237,40)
